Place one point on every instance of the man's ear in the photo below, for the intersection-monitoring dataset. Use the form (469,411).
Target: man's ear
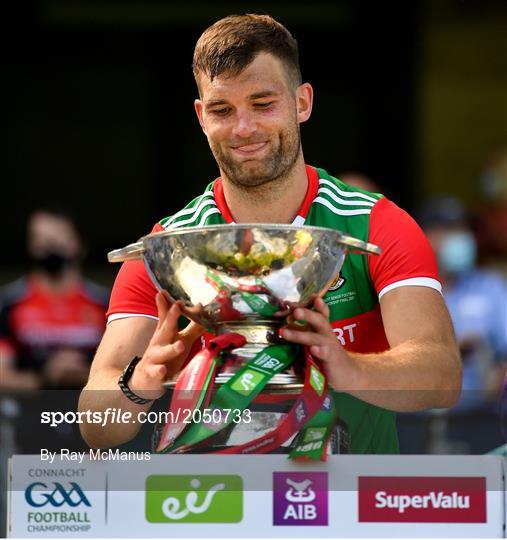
(198,106)
(304,102)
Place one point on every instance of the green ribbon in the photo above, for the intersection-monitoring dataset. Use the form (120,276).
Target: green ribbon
(257,304)
(254,301)
(249,381)
(239,391)
(311,441)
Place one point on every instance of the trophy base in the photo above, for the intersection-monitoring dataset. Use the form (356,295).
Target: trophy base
(258,337)
(264,418)
(279,384)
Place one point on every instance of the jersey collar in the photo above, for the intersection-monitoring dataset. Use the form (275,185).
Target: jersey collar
(311,193)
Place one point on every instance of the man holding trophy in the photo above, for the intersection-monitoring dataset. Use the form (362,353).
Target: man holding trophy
(376,337)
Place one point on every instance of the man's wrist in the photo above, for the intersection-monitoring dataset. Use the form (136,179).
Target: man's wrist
(126,377)
(350,375)
(143,385)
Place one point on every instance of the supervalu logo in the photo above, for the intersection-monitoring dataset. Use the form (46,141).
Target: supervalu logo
(423,499)
(194,498)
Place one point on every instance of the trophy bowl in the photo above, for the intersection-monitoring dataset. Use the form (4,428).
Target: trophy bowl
(283,265)
(244,278)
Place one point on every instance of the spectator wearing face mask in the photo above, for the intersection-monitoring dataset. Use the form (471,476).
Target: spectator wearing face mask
(52,319)
(492,210)
(476,299)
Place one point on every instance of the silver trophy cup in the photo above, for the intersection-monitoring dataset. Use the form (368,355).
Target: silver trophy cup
(246,279)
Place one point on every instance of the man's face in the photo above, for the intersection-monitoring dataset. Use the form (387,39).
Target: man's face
(252,121)
(48,233)
(454,246)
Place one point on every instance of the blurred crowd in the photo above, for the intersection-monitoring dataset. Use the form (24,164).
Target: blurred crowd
(52,319)
(470,244)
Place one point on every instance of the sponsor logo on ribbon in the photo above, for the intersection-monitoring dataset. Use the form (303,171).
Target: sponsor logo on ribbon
(247,382)
(317,380)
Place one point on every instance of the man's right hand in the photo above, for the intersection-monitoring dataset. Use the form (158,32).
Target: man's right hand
(162,349)
(166,351)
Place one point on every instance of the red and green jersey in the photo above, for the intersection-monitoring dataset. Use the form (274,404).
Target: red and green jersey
(36,322)
(353,298)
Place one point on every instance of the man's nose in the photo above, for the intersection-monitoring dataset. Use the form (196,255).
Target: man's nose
(245,124)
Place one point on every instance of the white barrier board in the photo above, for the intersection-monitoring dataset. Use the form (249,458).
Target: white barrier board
(257,496)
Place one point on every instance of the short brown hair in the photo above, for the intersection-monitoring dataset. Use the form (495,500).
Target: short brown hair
(231,44)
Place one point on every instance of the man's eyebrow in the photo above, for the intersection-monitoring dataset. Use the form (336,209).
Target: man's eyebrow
(263,94)
(214,102)
(256,95)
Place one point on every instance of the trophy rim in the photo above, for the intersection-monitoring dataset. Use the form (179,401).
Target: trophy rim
(350,241)
(219,226)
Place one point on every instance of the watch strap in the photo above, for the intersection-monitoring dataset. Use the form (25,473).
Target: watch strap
(124,379)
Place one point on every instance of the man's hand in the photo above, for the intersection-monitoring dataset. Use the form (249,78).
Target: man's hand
(162,349)
(319,336)
(421,369)
(166,351)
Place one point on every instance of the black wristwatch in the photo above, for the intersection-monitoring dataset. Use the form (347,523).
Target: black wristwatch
(125,378)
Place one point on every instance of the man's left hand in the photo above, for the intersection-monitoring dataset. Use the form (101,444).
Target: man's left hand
(318,335)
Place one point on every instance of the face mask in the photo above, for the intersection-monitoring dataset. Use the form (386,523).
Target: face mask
(457,253)
(52,263)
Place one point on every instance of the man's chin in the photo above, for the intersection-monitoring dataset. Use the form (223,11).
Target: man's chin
(250,174)
(252,180)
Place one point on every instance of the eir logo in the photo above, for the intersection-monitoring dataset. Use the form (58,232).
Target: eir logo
(422,499)
(57,497)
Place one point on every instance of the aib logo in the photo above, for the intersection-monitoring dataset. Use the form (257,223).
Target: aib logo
(57,497)
(300,498)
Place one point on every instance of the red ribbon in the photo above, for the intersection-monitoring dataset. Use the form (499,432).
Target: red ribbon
(191,383)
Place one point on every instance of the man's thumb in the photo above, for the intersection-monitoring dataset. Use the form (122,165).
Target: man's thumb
(191,332)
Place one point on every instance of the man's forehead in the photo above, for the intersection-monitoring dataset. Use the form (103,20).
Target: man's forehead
(264,76)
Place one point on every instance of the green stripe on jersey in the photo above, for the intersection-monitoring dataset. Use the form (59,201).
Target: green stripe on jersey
(199,212)
(347,209)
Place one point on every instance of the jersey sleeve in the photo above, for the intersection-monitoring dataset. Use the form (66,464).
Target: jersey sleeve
(407,257)
(133,293)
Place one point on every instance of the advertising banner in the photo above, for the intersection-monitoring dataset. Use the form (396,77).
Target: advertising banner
(257,496)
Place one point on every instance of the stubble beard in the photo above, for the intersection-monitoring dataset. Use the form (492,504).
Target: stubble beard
(276,166)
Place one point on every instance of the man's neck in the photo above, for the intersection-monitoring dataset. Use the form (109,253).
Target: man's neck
(275,202)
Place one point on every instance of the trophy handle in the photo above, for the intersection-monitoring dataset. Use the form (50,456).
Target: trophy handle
(132,252)
(354,245)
